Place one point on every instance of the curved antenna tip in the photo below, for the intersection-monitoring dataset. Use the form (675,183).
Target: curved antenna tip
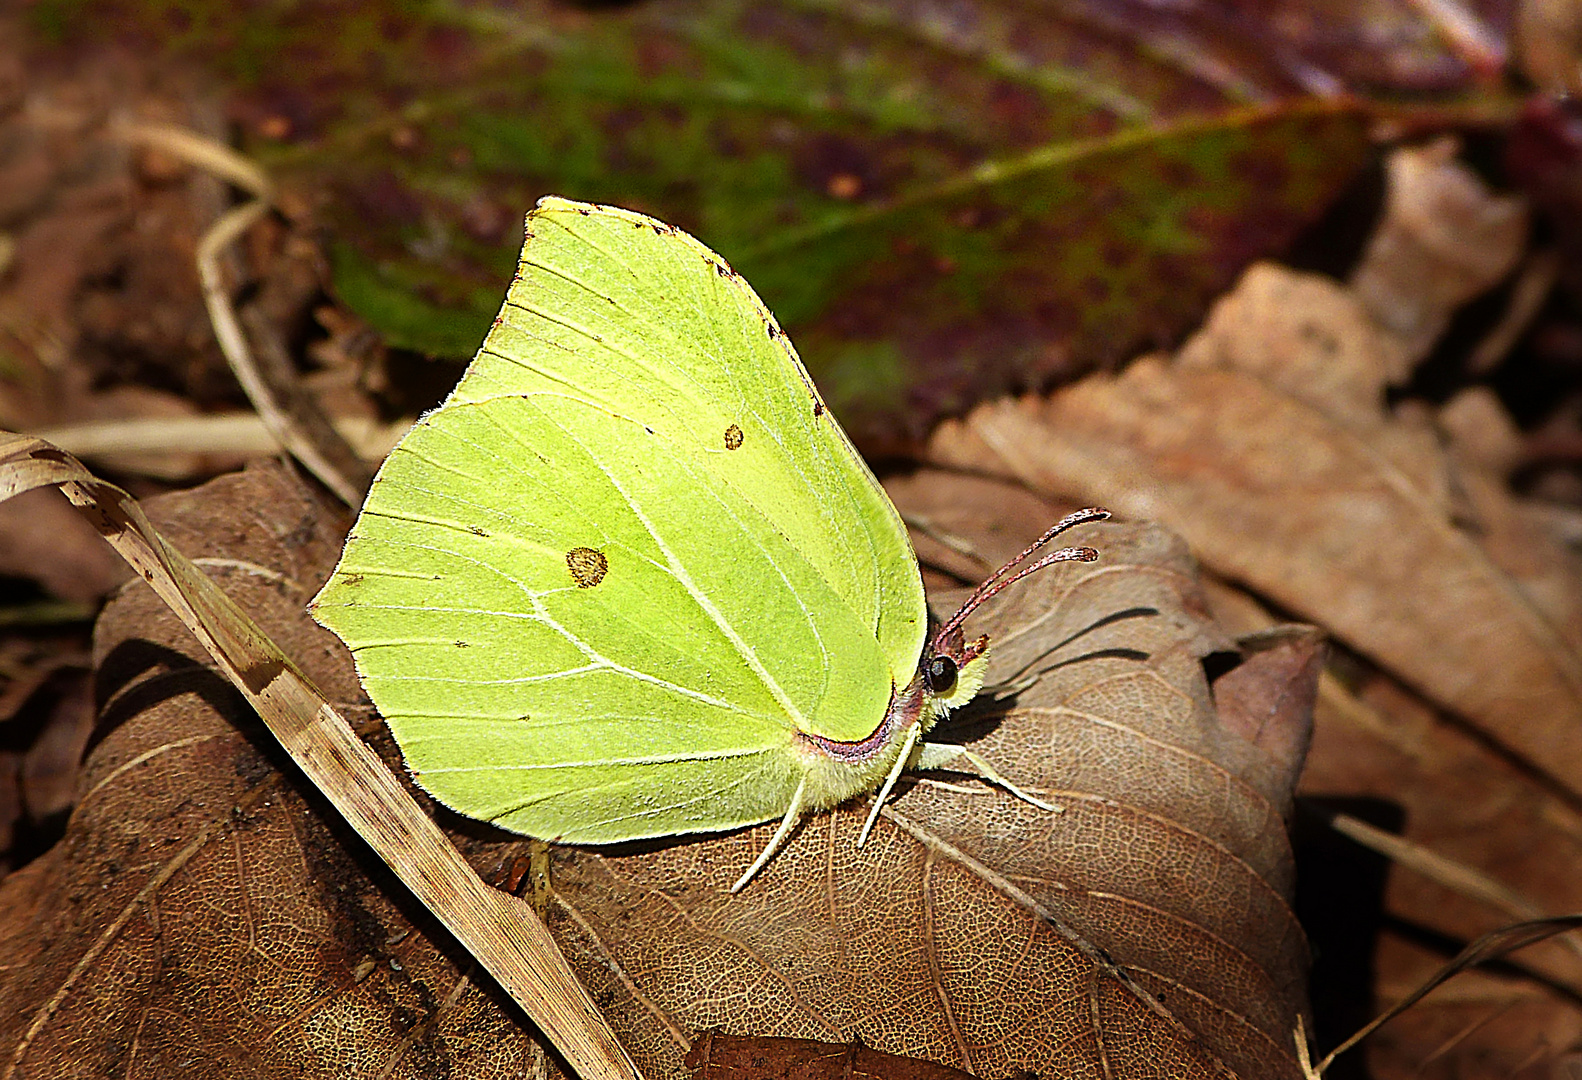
(999,579)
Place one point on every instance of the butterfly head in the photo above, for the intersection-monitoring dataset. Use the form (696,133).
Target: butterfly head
(952,669)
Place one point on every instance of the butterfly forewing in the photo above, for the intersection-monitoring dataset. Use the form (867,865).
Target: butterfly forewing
(630,313)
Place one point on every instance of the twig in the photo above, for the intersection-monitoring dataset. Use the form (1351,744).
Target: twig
(1455,876)
(1304,1053)
(1533,285)
(1479,47)
(291,416)
(1488,947)
(240,433)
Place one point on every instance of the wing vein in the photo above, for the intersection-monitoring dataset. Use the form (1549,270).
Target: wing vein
(678,570)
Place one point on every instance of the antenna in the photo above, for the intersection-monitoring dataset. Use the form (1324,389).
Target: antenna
(998,580)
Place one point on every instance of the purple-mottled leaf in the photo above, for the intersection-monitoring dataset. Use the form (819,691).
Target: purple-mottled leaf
(940,201)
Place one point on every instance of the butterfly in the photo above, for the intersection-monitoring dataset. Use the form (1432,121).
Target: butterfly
(631,579)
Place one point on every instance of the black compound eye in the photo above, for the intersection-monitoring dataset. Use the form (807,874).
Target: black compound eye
(940,675)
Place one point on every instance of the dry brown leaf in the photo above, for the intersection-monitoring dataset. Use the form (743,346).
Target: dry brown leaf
(1268,698)
(503,934)
(50,765)
(975,930)
(1304,488)
(43,538)
(717,1056)
(1465,801)
(1492,946)
(1459,797)
(1444,239)
(1547,43)
(1147,925)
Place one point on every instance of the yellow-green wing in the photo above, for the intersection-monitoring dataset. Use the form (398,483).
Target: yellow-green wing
(597,592)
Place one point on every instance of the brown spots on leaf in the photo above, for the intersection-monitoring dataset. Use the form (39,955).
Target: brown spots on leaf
(477,530)
(733,438)
(818,407)
(275,127)
(587,566)
(774,331)
(259,675)
(351,580)
(463,645)
(844,185)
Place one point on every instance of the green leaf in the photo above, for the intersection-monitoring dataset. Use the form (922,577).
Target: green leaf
(837,151)
(391,297)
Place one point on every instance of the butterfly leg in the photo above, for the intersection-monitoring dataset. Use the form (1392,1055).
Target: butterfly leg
(793,812)
(937,755)
(901,761)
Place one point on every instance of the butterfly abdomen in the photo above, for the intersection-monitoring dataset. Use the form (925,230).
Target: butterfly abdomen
(837,771)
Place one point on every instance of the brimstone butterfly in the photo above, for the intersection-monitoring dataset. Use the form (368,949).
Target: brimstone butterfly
(631,579)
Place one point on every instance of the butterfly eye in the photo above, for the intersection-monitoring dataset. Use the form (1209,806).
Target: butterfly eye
(940,675)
